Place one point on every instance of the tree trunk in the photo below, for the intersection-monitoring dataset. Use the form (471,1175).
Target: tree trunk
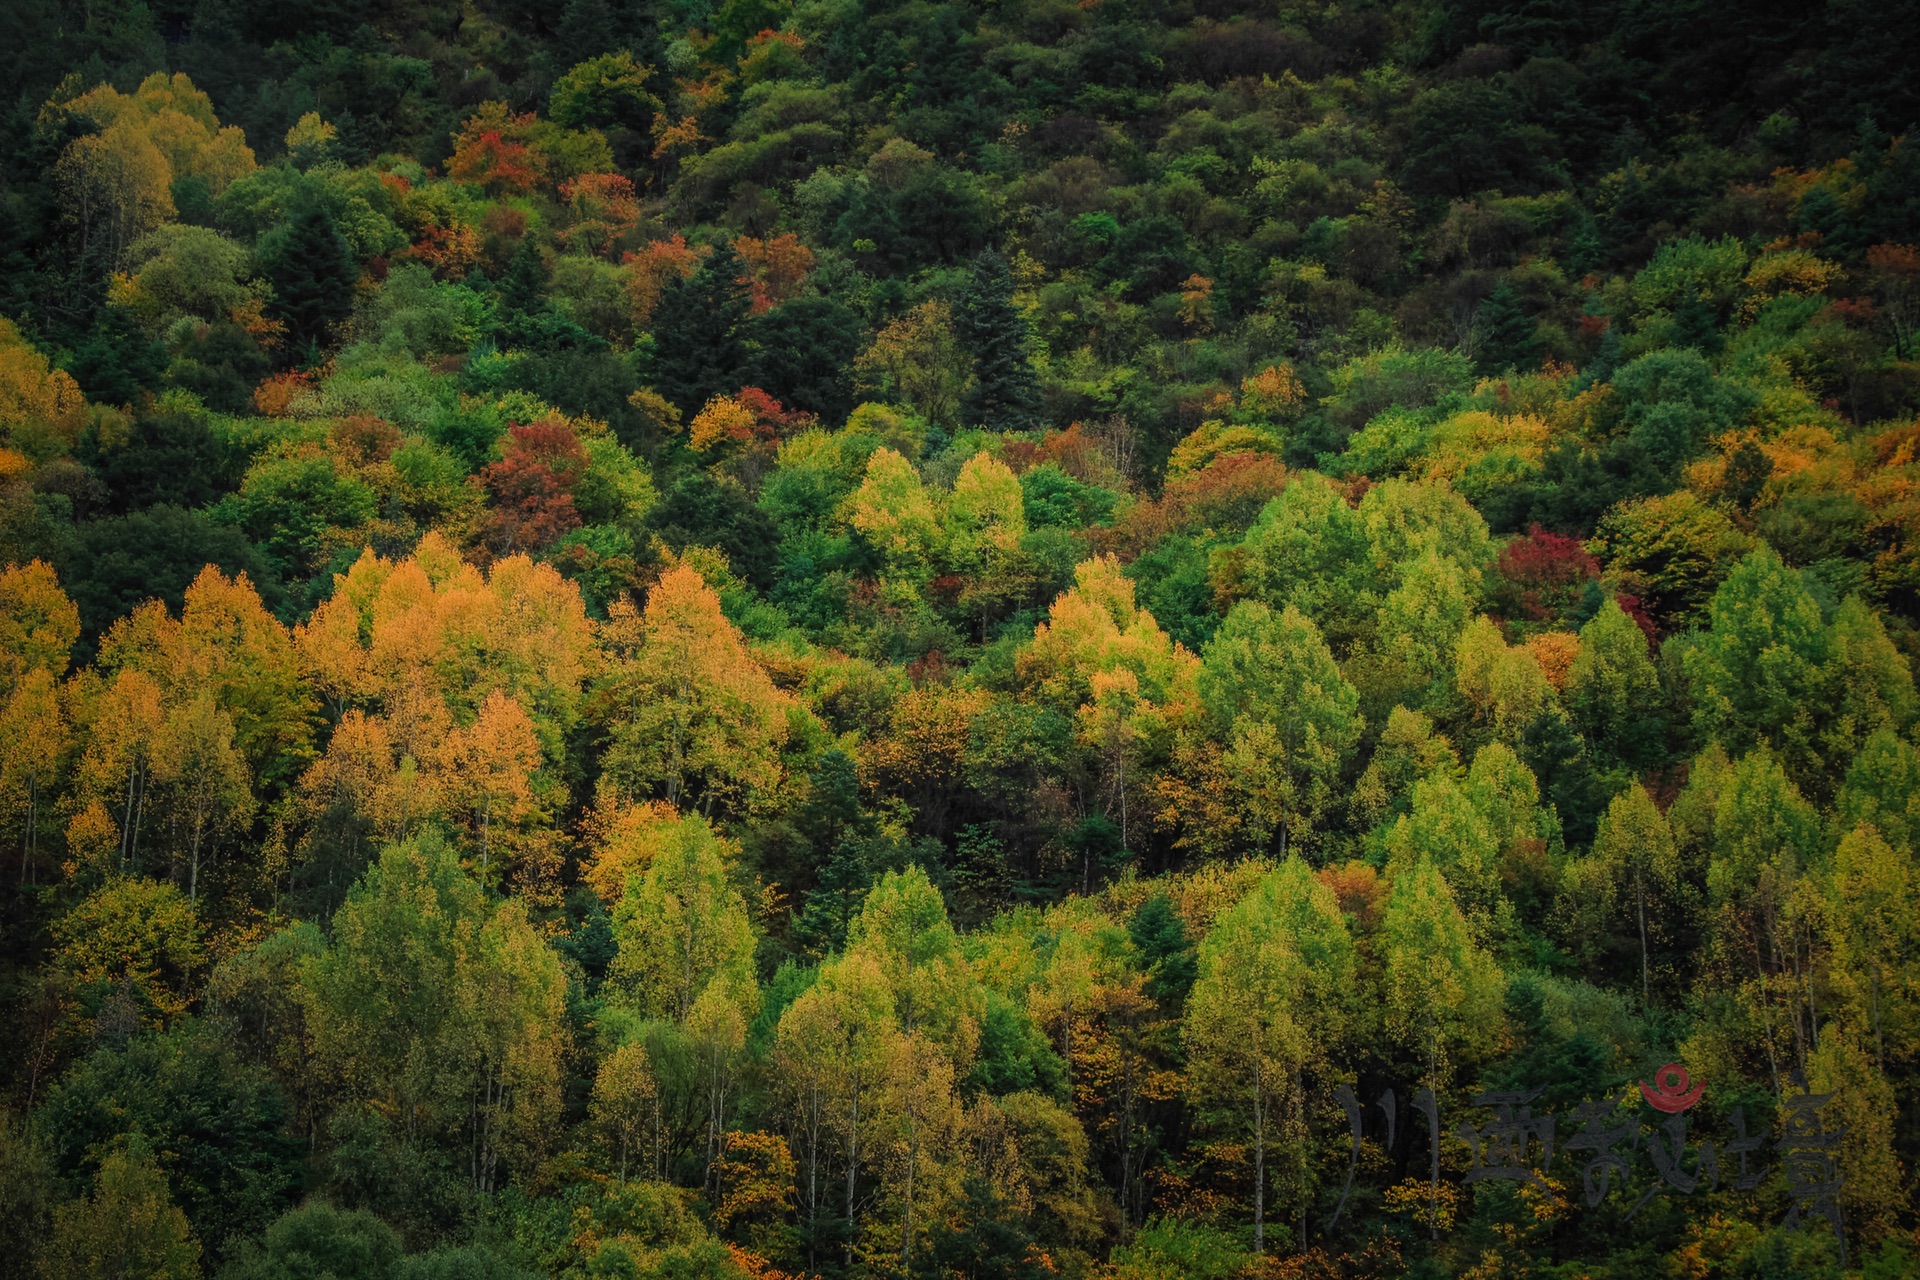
(1640,905)
(1259,1170)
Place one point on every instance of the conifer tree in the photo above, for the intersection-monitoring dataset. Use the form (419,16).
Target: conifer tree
(1504,334)
(700,330)
(1005,394)
(312,272)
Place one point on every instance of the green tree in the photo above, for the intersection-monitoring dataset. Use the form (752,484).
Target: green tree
(311,268)
(682,926)
(1882,787)
(1275,692)
(604,92)
(433,1006)
(127,1227)
(903,928)
(700,338)
(1631,884)
(1004,394)
(1613,692)
(1268,1012)
(1444,997)
(1758,673)
(1309,549)
(1505,337)
(317,1241)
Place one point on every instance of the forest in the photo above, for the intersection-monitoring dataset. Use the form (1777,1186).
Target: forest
(959,640)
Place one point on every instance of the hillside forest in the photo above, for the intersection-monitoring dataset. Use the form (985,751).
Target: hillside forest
(959,640)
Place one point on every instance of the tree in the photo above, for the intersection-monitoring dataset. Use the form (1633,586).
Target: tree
(682,926)
(203,777)
(116,187)
(700,331)
(217,1127)
(1504,683)
(894,513)
(127,1227)
(1633,877)
(435,1007)
(1613,690)
(489,770)
(318,1240)
(1272,672)
(1765,837)
(1005,394)
(985,517)
(916,360)
(1444,996)
(605,91)
(1757,674)
(1309,549)
(38,624)
(1446,830)
(690,713)
(1677,549)
(625,1105)
(1876,947)
(833,1048)
(1422,618)
(1269,1010)
(34,738)
(1504,336)
(137,936)
(312,272)
(903,928)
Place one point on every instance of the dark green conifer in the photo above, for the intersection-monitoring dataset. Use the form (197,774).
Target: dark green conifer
(312,272)
(1005,395)
(1505,334)
(699,332)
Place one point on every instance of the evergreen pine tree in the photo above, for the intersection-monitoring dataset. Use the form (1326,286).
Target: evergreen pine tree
(1005,394)
(312,273)
(699,335)
(586,29)
(1505,334)
(523,288)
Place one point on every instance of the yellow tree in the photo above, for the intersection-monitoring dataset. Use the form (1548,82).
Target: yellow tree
(226,645)
(1103,660)
(33,743)
(115,185)
(202,778)
(1504,684)
(38,623)
(42,411)
(918,1128)
(122,721)
(138,934)
(487,771)
(917,360)
(985,514)
(625,1104)
(895,514)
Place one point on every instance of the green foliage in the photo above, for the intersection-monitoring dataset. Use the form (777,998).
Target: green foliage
(673,818)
